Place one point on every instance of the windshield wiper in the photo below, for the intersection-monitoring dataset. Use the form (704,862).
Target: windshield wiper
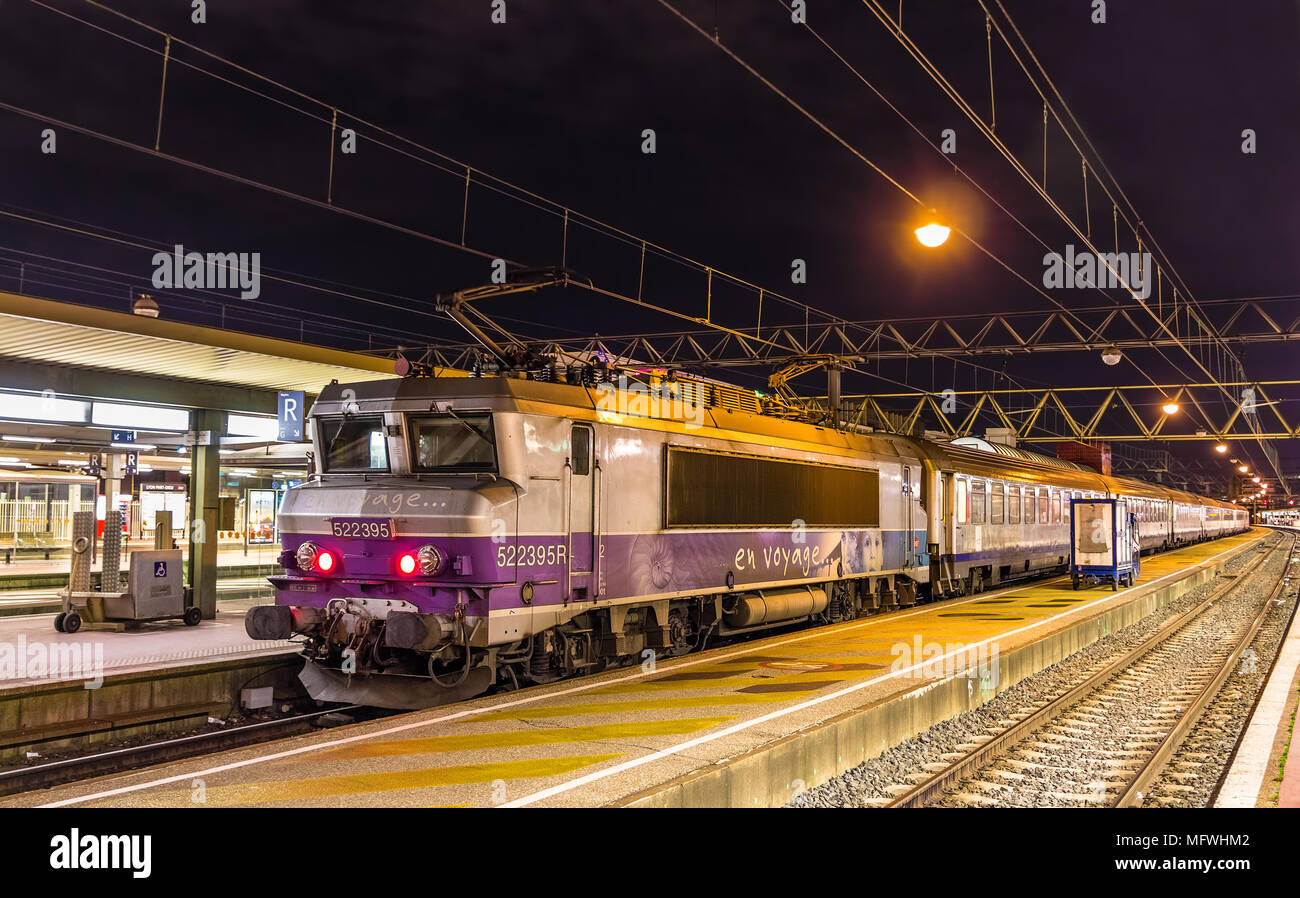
(471,428)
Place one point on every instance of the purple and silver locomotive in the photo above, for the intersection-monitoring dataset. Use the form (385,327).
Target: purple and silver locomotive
(466,532)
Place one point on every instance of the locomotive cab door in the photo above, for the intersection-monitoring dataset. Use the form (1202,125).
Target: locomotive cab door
(581,470)
(908,556)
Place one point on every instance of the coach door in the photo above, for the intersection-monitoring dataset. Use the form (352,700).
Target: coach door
(582,512)
(908,499)
(960,516)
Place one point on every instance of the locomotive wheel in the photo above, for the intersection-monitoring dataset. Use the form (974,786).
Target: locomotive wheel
(678,634)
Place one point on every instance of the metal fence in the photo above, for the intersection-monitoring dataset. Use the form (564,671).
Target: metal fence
(30,520)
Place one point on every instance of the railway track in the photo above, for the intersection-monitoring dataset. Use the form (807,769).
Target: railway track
(57,773)
(1104,741)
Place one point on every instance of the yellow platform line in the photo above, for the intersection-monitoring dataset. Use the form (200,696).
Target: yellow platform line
(514,739)
(821,677)
(648,704)
(386,781)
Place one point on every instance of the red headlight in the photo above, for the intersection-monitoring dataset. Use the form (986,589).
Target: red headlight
(406,564)
(325,561)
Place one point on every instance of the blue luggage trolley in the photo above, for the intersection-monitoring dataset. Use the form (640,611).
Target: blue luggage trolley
(1104,542)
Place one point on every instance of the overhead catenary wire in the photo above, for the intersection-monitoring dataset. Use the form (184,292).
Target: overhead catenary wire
(785,96)
(932,70)
(1221,349)
(479,177)
(552,207)
(440,160)
(957,98)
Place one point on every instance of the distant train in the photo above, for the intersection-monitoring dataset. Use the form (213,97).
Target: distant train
(468,532)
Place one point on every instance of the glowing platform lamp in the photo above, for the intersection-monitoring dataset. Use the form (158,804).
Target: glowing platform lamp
(933,235)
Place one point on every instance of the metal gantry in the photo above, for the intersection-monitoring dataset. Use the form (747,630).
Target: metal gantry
(1095,413)
(1124,327)
(1214,409)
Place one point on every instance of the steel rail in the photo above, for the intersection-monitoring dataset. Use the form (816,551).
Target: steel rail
(981,756)
(1133,794)
(57,773)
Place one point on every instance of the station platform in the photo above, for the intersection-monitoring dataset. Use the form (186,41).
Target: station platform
(40,573)
(46,601)
(746,725)
(151,646)
(62,692)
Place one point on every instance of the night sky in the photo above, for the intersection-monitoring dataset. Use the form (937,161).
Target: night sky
(555,101)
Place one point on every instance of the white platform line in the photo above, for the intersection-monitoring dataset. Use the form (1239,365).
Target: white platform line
(1242,786)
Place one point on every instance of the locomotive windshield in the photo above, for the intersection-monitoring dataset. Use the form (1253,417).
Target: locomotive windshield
(354,443)
(453,442)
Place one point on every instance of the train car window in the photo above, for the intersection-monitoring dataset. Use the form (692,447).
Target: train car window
(453,442)
(353,444)
(580,440)
(962,501)
(997,503)
(978,510)
(714,489)
(1043,515)
(1056,506)
(943,512)
(1013,505)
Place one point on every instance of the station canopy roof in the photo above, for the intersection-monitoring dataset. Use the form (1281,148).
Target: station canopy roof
(60,333)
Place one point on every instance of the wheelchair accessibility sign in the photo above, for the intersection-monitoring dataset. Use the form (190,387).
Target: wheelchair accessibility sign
(160,569)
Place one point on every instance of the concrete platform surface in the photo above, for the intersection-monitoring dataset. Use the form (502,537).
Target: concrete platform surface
(229,555)
(619,737)
(33,653)
(46,601)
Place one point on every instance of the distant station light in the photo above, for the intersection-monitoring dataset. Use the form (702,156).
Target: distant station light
(1242,468)
(1170,408)
(1255,479)
(1221,448)
(1111,355)
(933,234)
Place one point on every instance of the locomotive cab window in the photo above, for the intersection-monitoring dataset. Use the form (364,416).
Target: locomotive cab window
(353,444)
(453,442)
